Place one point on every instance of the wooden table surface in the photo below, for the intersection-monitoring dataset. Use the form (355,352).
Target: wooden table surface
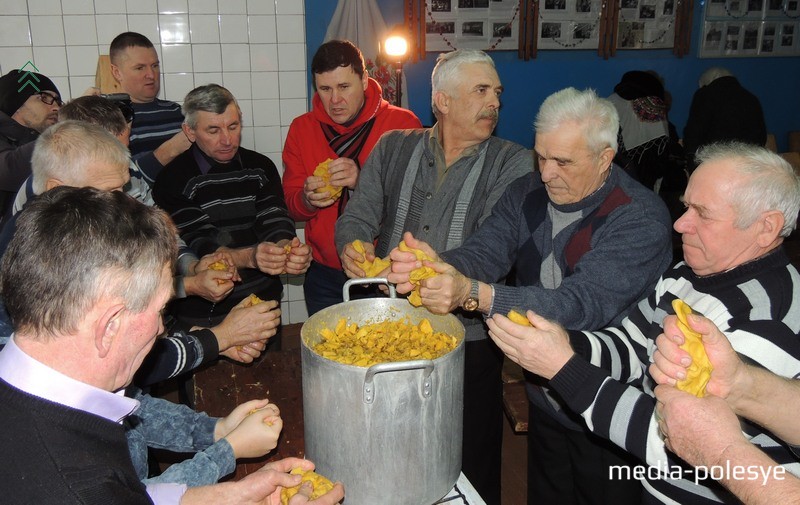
(277,375)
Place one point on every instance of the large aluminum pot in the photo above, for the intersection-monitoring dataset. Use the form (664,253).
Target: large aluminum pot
(391,433)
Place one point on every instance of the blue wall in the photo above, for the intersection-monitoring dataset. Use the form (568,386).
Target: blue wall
(776,81)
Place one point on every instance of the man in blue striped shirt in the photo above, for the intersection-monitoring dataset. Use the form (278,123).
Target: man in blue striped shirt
(156,135)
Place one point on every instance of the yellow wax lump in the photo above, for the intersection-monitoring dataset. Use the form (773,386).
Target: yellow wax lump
(320,485)
(383,342)
(218,265)
(518,318)
(322,171)
(699,372)
(418,274)
(252,300)
(371,268)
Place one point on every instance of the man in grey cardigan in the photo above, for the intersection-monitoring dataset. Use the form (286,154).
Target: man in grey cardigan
(441,183)
(586,242)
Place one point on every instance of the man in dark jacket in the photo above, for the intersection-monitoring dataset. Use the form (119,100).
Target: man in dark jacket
(722,110)
(585,242)
(27,108)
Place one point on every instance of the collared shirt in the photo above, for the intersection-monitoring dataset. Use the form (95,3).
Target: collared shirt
(31,376)
(436,147)
(205,162)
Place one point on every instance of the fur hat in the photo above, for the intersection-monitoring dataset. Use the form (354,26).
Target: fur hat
(638,84)
(12,97)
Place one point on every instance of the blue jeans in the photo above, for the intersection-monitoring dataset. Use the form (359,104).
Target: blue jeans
(323,287)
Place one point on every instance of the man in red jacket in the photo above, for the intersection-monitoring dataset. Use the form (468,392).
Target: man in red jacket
(348,117)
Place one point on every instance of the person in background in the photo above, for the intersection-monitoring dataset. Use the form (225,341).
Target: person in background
(741,202)
(79,340)
(441,183)
(348,117)
(721,110)
(585,242)
(643,129)
(156,135)
(193,277)
(77,155)
(26,110)
(225,198)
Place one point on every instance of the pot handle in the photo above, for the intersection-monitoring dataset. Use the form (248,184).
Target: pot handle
(367,280)
(425,364)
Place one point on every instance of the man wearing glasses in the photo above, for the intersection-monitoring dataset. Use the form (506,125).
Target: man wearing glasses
(27,109)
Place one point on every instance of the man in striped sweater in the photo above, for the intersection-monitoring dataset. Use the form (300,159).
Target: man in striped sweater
(741,202)
(225,198)
(707,432)
(156,135)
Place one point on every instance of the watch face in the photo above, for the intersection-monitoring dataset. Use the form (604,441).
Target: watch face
(470,304)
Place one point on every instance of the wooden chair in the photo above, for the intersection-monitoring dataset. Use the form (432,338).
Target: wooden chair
(794,141)
(793,158)
(771,144)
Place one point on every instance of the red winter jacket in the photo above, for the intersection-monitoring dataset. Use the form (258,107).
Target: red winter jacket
(306,147)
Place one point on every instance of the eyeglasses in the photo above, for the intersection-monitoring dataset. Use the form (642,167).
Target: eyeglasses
(49,99)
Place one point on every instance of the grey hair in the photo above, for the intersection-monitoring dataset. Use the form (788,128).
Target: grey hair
(65,149)
(96,110)
(75,246)
(597,116)
(209,98)
(712,74)
(446,74)
(772,183)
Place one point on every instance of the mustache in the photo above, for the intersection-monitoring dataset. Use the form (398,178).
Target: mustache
(489,114)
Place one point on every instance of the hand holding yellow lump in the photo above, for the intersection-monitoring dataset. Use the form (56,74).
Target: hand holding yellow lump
(518,318)
(249,302)
(371,268)
(699,372)
(417,274)
(383,342)
(252,300)
(219,266)
(319,484)
(322,171)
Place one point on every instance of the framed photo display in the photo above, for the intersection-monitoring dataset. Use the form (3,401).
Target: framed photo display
(472,24)
(569,24)
(748,28)
(646,24)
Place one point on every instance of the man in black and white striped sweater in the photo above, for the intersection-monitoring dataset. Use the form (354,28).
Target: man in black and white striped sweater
(227,199)
(741,203)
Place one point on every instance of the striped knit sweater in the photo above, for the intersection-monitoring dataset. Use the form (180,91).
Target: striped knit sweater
(153,124)
(757,305)
(236,204)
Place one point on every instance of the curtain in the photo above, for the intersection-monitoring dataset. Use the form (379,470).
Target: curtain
(361,22)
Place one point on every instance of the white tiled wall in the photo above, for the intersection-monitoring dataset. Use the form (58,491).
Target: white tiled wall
(255,48)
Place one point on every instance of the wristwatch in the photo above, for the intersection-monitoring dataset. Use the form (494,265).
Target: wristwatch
(472,302)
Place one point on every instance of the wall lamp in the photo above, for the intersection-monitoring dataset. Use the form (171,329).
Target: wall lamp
(394,49)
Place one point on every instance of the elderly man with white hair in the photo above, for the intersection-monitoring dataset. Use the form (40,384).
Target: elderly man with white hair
(741,202)
(586,242)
